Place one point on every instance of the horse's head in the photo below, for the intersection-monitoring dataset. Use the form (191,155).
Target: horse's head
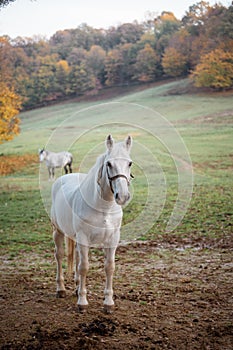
(117,168)
(42,154)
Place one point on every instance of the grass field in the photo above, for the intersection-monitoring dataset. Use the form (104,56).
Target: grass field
(173,290)
(203,122)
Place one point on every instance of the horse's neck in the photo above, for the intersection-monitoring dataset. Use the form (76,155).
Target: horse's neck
(102,195)
(105,189)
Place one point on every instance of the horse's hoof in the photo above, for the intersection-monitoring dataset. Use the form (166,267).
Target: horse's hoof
(108,309)
(61,294)
(82,308)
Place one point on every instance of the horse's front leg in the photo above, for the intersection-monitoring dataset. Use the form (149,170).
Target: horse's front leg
(59,254)
(83,267)
(51,174)
(76,275)
(109,266)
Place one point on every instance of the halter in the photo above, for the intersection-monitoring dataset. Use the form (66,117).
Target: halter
(112,178)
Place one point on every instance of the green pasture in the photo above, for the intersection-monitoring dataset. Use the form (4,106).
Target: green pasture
(168,126)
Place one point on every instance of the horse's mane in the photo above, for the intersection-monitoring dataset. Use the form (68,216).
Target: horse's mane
(96,169)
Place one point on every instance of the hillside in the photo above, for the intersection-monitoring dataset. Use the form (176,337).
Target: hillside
(172,100)
(173,277)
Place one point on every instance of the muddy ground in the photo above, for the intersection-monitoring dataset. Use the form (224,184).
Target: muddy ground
(171,293)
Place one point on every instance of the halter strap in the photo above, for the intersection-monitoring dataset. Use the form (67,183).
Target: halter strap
(112,178)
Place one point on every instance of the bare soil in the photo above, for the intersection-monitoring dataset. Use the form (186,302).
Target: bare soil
(171,293)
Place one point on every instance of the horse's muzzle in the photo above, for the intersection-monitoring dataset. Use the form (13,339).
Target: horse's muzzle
(121,199)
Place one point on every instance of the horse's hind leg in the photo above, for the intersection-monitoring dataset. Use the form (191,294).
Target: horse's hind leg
(70,166)
(59,254)
(66,170)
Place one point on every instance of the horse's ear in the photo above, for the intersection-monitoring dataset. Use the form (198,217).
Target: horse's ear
(128,142)
(109,142)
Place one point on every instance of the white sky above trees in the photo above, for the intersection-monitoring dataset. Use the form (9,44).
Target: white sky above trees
(27,18)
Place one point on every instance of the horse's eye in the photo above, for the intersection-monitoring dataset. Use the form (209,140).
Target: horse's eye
(109,165)
(130,163)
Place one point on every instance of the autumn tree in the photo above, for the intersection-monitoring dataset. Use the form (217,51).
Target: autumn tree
(42,83)
(215,70)
(113,65)
(174,63)
(165,26)
(81,79)
(209,28)
(76,61)
(147,65)
(6,65)
(130,32)
(77,56)
(128,53)
(196,16)
(181,42)
(95,60)
(123,34)
(10,104)
(62,71)
(147,38)
(119,64)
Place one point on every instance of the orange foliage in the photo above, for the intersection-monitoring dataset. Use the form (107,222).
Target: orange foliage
(173,62)
(64,65)
(10,104)
(13,163)
(215,70)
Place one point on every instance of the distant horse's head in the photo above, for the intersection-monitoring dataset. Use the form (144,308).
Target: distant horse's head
(116,168)
(42,154)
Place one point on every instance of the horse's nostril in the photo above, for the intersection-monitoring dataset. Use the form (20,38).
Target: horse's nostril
(116,195)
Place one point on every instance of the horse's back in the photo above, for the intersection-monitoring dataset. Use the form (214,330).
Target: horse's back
(63,190)
(68,181)
(58,160)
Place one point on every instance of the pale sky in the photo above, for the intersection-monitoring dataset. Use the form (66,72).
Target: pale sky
(27,18)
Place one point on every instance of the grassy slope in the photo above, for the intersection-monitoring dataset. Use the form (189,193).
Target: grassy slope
(205,122)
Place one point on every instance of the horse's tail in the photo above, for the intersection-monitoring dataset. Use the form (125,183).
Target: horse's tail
(70,249)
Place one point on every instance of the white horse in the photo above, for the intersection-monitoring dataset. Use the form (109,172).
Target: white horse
(86,209)
(56,160)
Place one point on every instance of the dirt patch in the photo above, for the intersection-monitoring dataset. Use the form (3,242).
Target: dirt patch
(221,164)
(220,118)
(186,87)
(172,293)
(13,163)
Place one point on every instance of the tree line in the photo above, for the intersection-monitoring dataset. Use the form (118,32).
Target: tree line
(84,60)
